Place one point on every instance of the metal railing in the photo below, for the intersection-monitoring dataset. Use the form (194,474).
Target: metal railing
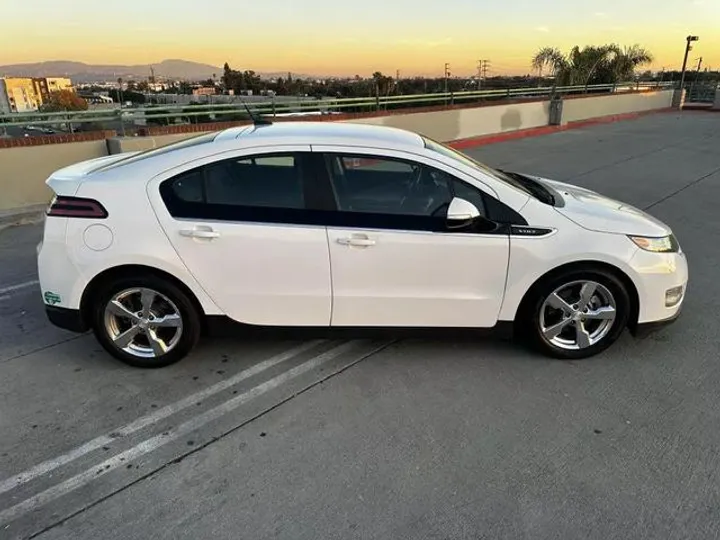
(130,118)
(701,92)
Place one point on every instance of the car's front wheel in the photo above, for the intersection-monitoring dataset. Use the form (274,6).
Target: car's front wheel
(145,321)
(577,314)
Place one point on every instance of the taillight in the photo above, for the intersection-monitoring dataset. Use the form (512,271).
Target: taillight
(76,207)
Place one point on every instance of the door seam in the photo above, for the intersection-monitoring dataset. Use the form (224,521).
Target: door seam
(332,283)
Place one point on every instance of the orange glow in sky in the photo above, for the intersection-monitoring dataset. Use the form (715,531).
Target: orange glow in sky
(326,37)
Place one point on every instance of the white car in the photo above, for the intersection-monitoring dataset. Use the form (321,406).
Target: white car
(326,225)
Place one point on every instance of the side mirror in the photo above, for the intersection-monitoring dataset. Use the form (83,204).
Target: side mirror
(461,213)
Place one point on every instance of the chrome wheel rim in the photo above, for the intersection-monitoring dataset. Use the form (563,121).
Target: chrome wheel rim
(577,315)
(143,322)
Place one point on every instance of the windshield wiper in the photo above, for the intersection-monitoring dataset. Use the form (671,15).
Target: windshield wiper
(536,189)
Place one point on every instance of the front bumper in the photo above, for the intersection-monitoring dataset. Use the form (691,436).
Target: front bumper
(643,330)
(655,274)
(67,319)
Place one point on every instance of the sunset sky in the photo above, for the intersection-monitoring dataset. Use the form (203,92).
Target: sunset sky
(345,38)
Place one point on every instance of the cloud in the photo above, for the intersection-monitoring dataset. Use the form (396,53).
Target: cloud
(543,29)
(600,15)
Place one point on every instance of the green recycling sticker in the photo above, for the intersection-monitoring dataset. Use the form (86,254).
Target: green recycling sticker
(51,298)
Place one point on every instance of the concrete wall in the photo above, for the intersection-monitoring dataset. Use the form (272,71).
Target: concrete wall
(575,110)
(117,145)
(458,124)
(23,170)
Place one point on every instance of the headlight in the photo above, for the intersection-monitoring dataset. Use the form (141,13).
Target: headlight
(665,244)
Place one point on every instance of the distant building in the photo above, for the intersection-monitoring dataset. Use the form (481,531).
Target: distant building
(55,84)
(18,94)
(204,91)
(41,89)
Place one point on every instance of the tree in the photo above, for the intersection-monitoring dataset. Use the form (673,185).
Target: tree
(628,59)
(64,100)
(603,64)
(382,83)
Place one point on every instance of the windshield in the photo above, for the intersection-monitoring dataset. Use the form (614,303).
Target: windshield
(470,162)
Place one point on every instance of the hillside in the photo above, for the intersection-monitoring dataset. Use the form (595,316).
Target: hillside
(80,72)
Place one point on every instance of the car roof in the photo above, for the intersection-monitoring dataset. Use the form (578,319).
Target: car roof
(299,132)
(325,133)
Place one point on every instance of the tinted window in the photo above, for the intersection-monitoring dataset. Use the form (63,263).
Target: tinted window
(470,194)
(250,188)
(188,186)
(272,181)
(372,185)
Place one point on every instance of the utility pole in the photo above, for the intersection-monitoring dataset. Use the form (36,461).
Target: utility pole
(397,81)
(447,76)
(482,70)
(120,91)
(688,48)
(697,74)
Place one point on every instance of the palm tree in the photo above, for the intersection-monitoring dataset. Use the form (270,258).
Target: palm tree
(555,60)
(627,60)
(602,64)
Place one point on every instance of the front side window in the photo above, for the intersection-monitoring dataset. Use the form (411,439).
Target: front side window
(253,188)
(381,185)
(447,151)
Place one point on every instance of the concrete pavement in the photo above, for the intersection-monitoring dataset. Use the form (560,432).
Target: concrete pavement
(378,439)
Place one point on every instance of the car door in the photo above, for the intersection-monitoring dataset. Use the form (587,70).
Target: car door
(243,226)
(394,260)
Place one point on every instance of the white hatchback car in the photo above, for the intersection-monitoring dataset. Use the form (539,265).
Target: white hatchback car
(340,225)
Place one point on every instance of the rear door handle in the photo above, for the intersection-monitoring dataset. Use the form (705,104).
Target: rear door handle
(362,241)
(199,233)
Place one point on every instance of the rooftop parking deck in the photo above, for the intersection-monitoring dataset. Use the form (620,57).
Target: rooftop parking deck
(405,439)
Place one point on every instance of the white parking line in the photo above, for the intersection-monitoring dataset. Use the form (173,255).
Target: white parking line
(157,441)
(5,291)
(156,416)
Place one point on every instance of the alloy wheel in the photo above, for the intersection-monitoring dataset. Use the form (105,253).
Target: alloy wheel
(577,315)
(143,322)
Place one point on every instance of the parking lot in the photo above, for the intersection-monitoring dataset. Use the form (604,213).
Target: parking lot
(407,438)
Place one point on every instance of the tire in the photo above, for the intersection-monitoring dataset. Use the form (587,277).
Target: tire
(164,333)
(592,332)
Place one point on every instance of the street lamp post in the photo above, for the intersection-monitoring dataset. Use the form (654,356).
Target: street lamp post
(688,48)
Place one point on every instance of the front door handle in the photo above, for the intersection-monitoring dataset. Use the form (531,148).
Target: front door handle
(361,241)
(199,233)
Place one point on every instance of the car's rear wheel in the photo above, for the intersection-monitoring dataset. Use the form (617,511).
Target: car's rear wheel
(145,321)
(576,314)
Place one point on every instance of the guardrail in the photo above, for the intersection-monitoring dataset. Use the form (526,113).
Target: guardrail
(703,92)
(137,116)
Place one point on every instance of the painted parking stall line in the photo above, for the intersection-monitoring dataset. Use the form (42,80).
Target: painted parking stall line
(153,443)
(150,419)
(7,292)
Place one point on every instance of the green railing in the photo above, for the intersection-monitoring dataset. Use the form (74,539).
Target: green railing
(702,92)
(130,118)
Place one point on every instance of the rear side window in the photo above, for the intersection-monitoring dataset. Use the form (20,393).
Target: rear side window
(273,182)
(238,188)
(189,187)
